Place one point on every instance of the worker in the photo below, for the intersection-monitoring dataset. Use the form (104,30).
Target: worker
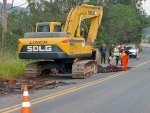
(125,59)
(112,60)
(116,54)
(120,51)
(111,50)
(103,53)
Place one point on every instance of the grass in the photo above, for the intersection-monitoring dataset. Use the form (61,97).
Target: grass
(12,66)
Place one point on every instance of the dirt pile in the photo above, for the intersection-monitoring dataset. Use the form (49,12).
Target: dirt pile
(108,69)
(15,86)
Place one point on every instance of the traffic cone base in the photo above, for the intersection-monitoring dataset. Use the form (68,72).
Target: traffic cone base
(26,110)
(137,57)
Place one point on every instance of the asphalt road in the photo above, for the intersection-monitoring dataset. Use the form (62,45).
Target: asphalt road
(122,92)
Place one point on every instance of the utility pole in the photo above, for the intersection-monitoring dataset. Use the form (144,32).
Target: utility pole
(4,27)
(5,15)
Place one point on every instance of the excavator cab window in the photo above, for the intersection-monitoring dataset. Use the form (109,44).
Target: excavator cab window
(44,28)
(57,28)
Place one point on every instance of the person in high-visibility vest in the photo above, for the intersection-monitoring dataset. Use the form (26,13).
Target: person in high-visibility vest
(116,54)
(125,59)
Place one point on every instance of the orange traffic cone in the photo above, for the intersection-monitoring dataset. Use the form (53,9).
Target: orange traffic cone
(137,57)
(26,108)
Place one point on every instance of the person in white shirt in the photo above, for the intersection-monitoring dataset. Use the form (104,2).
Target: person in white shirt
(112,60)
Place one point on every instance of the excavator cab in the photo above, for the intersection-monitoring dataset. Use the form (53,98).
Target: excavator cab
(49,27)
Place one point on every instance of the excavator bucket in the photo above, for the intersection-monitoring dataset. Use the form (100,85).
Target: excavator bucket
(86,66)
(95,56)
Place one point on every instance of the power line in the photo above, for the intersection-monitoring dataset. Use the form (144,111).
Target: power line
(12,2)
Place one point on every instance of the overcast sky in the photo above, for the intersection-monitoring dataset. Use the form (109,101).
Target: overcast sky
(146,5)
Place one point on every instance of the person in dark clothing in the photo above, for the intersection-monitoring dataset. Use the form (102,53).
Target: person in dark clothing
(126,51)
(121,49)
(111,50)
(124,45)
(103,53)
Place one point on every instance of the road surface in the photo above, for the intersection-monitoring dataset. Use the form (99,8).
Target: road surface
(122,92)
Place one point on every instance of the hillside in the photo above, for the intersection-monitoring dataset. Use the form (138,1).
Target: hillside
(146,32)
(16,8)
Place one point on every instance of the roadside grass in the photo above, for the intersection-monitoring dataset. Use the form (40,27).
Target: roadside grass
(12,66)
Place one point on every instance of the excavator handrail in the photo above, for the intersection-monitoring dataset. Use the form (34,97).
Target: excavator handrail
(45,34)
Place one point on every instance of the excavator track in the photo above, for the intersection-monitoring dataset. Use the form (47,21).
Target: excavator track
(80,70)
(32,70)
(43,68)
(84,69)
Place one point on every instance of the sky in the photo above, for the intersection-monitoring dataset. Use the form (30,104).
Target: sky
(146,5)
(16,2)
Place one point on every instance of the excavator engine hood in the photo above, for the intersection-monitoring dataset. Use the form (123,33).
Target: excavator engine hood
(43,45)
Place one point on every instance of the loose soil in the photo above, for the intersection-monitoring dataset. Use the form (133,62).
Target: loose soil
(15,86)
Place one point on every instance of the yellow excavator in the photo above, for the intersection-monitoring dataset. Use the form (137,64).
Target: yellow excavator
(60,49)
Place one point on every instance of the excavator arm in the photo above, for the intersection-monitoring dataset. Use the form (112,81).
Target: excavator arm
(82,12)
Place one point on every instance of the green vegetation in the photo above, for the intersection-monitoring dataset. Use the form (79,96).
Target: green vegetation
(123,22)
(11,67)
